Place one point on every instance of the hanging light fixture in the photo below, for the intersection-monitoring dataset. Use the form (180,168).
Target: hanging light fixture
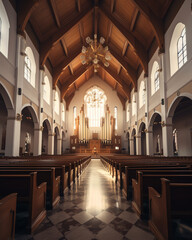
(95,53)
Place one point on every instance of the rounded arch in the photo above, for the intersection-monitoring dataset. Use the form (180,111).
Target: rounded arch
(142,126)
(173,47)
(4,30)
(154,72)
(48,124)
(175,103)
(56,130)
(152,118)
(6,96)
(32,112)
(30,55)
(142,134)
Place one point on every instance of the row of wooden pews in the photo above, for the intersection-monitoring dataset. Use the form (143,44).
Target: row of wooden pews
(38,184)
(160,190)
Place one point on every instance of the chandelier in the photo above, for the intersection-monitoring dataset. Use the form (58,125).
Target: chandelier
(95,53)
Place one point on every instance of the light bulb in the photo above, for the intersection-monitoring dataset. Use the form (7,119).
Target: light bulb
(106,64)
(107,57)
(84,49)
(102,40)
(88,40)
(95,60)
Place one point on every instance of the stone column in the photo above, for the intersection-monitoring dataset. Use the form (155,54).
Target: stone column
(131,146)
(51,144)
(138,145)
(167,132)
(149,142)
(59,141)
(13,130)
(37,146)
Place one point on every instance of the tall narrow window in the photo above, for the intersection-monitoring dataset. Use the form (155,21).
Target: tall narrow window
(27,69)
(56,103)
(95,101)
(127,113)
(63,113)
(74,116)
(0,31)
(115,116)
(182,49)
(156,81)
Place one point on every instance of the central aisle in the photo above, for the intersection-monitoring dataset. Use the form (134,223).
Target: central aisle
(93,209)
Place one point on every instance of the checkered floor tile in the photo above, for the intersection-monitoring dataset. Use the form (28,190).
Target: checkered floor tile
(93,209)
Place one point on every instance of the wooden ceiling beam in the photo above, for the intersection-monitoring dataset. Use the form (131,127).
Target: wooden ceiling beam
(134,19)
(125,47)
(156,23)
(78,4)
(24,11)
(55,13)
(81,32)
(71,80)
(57,71)
(113,3)
(125,87)
(139,49)
(131,72)
(109,31)
(47,45)
(63,44)
(71,69)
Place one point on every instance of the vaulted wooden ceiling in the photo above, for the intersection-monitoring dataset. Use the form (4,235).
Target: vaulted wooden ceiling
(133,29)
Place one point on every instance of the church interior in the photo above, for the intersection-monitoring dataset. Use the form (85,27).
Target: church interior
(95,119)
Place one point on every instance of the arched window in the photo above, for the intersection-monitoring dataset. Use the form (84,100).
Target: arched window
(30,67)
(63,113)
(46,90)
(4,30)
(27,69)
(56,103)
(178,48)
(133,105)
(142,94)
(156,81)
(155,78)
(115,116)
(74,117)
(0,31)
(128,112)
(182,49)
(95,101)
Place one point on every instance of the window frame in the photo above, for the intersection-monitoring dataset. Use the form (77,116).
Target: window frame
(182,53)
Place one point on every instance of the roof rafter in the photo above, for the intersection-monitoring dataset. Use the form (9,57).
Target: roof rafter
(129,69)
(72,79)
(55,12)
(46,46)
(24,11)
(60,68)
(125,87)
(156,23)
(134,19)
(134,42)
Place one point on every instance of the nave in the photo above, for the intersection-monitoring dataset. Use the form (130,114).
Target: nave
(94,208)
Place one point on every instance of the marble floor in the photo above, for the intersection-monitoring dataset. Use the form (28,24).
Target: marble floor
(94,208)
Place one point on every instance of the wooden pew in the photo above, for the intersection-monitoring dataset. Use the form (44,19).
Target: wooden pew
(43,175)
(131,172)
(7,216)
(173,202)
(140,201)
(31,198)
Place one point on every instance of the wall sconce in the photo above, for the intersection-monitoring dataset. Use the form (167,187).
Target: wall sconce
(19,117)
(162,101)
(162,123)
(19,91)
(41,110)
(53,121)
(41,128)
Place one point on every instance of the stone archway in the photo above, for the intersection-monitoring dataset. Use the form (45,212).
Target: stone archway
(57,142)
(142,133)
(46,137)
(134,147)
(180,114)
(28,137)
